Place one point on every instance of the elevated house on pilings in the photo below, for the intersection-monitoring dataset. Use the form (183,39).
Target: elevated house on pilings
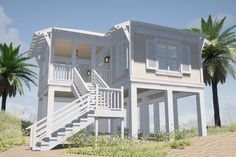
(103,80)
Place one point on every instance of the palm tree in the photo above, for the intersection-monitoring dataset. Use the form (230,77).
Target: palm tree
(218,56)
(14,72)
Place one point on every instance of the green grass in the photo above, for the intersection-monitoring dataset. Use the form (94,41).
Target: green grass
(10,131)
(221,130)
(158,145)
(123,148)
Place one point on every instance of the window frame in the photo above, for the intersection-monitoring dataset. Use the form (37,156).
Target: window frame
(178,57)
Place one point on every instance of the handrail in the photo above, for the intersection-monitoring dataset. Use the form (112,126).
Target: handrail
(39,131)
(79,82)
(110,89)
(96,78)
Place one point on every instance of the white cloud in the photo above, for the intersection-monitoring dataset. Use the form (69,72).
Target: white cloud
(230,20)
(9,34)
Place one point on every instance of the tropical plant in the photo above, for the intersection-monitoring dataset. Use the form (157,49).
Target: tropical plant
(218,56)
(14,72)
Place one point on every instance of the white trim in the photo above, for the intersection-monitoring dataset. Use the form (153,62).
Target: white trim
(189,60)
(80,31)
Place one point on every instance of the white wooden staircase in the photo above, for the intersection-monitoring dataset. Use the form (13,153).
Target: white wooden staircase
(92,96)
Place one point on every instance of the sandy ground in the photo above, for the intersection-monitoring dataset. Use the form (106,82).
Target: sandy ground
(210,146)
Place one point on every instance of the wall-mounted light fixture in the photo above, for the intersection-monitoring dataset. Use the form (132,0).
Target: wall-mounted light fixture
(89,72)
(77,52)
(106,59)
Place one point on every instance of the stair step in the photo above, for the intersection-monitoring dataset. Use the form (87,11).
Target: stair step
(61,133)
(68,129)
(43,143)
(76,124)
(53,139)
(83,119)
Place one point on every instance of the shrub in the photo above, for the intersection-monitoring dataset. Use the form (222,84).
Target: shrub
(232,128)
(117,147)
(160,136)
(78,140)
(25,124)
(179,144)
(10,131)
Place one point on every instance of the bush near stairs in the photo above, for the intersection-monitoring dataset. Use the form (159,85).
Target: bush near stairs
(10,131)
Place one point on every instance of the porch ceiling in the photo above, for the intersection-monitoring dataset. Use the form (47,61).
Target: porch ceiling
(64,48)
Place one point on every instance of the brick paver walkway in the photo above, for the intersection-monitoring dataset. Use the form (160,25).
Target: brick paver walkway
(210,146)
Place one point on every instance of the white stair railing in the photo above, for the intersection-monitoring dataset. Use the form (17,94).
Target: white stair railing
(96,79)
(79,82)
(102,98)
(61,117)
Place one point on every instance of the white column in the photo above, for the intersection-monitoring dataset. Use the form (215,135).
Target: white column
(144,117)
(176,114)
(132,111)
(122,128)
(168,95)
(93,56)
(96,127)
(156,115)
(109,126)
(74,53)
(50,110)
(201,117)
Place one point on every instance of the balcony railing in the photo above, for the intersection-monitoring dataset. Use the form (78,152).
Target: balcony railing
(62,72)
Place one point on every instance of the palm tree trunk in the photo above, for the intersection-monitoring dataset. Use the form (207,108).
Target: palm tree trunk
(4,99)
(216,104)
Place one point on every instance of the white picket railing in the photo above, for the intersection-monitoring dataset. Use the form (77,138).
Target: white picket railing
(96,79)
(109,98)
(62,72)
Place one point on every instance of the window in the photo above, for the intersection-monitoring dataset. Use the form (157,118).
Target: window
(167,57)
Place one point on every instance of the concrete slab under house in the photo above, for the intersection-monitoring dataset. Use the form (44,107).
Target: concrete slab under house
(107,81)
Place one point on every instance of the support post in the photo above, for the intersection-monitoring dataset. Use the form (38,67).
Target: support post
(50,59)
(169,111)
(144,117)
(96,127)
(122,128)
(157,122)
(50,110)
(132,111)
(201,117)
(74,53)
(109,126)
(176,114)
(93,56)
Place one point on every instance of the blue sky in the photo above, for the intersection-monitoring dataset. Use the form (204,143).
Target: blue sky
(19,19)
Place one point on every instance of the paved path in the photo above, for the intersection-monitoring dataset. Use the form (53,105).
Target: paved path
(210,146)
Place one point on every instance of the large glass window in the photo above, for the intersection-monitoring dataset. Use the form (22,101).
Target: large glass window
(167,57)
